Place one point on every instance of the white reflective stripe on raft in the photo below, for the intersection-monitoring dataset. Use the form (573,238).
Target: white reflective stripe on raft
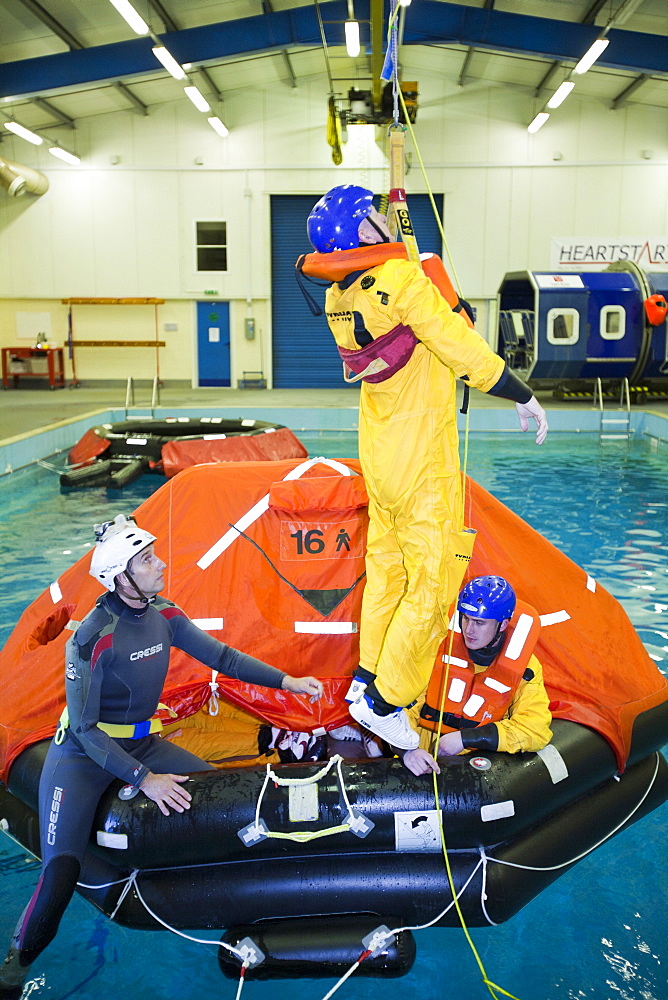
(270,430)
(554,762)
(119,841)
(555,618)
(497,810)
(457,689)
(496,685)
(591,584)
(208,624)
(258,509)
(247,422)
(326,628)
(475,702)
(519,636)
(136,441)
(213,437)
(56,592)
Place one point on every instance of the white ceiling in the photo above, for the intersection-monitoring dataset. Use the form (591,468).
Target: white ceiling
(31,29)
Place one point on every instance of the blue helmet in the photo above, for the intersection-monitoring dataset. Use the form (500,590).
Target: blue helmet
(487,597)
(334,221)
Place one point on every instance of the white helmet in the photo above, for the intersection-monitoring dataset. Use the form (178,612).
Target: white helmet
(117,542)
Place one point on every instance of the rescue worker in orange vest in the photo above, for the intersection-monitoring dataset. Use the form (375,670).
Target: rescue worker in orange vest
(395,329)
(495,698)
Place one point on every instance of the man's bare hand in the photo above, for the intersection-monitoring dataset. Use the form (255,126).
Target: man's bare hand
(450,744)
(165,791)
(420,761)
(303,685)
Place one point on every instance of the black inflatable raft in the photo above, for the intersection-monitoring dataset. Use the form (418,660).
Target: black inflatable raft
(512,825)
(113,455)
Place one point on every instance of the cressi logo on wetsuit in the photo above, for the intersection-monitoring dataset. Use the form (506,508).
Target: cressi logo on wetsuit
(142,654)
(53,815)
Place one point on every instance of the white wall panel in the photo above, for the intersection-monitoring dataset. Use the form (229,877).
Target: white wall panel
(128,229)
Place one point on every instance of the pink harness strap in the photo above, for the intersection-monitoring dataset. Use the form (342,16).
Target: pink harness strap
(380,359)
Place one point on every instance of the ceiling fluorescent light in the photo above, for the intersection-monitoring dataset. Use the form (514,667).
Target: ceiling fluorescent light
(538,121)
(198,100)
(164,56)
(560,94)
(25,133)
(352,39)
(63,154)
(218,126)
(591,55)
(127,11)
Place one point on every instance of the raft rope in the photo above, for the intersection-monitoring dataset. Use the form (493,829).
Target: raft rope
(391,60)
(381,938)
(355,823)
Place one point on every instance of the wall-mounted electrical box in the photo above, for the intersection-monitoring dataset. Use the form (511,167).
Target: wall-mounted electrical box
(249,328)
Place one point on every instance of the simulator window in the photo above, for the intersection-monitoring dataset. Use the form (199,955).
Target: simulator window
(563,326)
(613,322)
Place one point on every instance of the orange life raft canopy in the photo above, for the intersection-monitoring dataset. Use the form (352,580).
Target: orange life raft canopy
(269,557)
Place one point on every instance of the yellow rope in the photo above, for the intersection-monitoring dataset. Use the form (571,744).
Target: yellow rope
(493,988)
(431,195)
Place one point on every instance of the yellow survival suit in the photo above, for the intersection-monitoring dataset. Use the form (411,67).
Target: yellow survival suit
(409,455)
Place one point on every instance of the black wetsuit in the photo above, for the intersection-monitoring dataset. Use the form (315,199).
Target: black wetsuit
(116,664)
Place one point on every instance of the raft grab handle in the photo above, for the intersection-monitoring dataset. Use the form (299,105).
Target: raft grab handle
(355,822)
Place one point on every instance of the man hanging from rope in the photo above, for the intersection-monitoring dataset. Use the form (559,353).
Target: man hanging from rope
(400,337)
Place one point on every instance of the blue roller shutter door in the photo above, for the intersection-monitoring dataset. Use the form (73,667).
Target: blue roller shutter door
(304,354)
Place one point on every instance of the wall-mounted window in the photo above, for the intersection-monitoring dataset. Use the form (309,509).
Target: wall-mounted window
(211,246)
(563,326)
(613,322)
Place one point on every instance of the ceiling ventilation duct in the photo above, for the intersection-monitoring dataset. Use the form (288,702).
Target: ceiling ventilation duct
(17,179)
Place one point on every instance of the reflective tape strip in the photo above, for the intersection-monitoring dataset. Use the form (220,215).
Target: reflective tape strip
(248,423)
(519,636)
(119,841)
(554,762)
(233,533)
(455,661)
(591,584)
(213,437)
(326,628)
(498,810)
(136,441)
(496,685)
(475,702)
(270,430)
(56,592)
(555,618)
(258,509)
(72,625)
(457,689)
(453,624)
(208,624)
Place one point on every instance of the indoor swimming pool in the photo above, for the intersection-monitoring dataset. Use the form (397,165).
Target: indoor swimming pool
(599,932)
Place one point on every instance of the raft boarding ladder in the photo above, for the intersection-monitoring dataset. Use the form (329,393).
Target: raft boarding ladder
(620,426)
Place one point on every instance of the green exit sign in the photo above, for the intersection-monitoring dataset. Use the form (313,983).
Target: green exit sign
(210,291)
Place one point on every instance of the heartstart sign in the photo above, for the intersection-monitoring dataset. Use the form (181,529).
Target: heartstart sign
(580,252)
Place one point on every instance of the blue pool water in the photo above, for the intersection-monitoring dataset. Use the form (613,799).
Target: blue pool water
(600,931)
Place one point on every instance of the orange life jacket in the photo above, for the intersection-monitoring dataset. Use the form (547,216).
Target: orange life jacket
(339,264)
(474,699)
